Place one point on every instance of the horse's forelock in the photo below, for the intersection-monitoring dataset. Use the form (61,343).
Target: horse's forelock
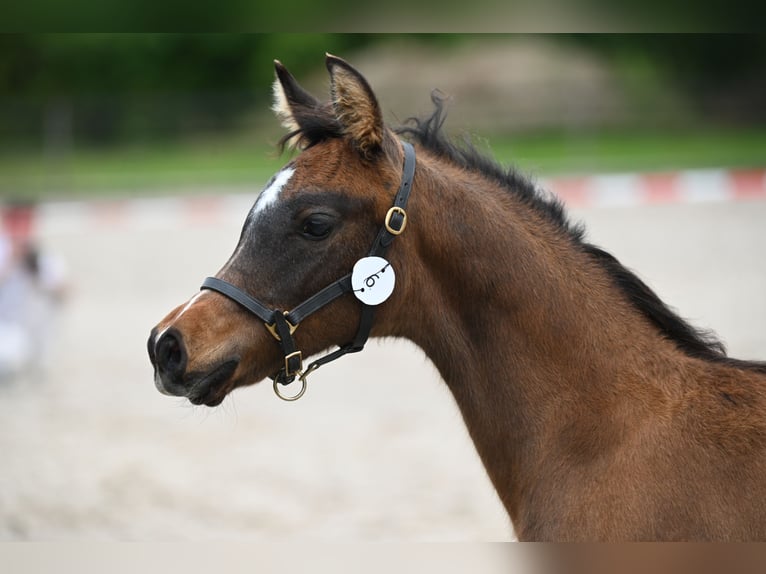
(312,126)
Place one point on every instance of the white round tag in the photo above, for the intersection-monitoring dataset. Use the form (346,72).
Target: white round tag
(373,280)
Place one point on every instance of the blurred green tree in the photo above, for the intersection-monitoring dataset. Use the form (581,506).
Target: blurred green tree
(117,86)
(103,88)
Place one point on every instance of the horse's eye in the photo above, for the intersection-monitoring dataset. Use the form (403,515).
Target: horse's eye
(317,226)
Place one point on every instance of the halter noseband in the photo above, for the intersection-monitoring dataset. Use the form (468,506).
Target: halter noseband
(282,324)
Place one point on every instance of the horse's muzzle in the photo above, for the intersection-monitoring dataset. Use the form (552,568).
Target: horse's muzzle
(169,358)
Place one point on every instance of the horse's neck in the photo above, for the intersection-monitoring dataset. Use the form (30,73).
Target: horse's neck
(525,328)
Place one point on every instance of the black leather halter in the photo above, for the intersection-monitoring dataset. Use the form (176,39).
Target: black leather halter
(282,324)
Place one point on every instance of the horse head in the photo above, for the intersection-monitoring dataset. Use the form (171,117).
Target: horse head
(311,223)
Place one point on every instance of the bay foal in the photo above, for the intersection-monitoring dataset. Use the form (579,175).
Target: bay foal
(598,413)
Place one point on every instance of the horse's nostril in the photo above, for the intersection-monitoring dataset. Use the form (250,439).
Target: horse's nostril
(170,354)
(150,344)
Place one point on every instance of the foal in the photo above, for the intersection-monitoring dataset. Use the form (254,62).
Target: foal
(598,413)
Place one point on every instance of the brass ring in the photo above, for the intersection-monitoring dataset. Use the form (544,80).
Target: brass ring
(294,397)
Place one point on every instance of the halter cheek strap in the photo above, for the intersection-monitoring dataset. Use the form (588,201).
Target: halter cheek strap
(282,324)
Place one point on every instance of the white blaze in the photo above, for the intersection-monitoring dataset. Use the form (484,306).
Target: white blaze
(270,194)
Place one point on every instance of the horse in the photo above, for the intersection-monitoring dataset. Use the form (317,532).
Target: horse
(598,412)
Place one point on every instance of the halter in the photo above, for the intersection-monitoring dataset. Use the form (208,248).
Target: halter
(282,324)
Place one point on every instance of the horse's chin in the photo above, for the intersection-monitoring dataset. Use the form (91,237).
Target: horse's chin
(211,388)
(212,401)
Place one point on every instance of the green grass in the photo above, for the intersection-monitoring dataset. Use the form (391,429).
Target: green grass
(616,152)
(168,167)
(183,167)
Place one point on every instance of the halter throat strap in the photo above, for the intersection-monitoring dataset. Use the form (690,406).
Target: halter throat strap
(282,324)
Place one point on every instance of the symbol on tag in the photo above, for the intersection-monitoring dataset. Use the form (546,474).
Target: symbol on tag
(373,280)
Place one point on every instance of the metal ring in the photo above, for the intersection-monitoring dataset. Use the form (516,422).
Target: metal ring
(294,397)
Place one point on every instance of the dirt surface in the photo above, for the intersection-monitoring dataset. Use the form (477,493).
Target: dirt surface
(93,452)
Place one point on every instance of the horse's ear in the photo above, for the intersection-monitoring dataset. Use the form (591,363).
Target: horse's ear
(290,99)
(356,107)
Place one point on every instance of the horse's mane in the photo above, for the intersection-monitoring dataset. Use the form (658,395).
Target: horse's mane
(700,343)
(695,342)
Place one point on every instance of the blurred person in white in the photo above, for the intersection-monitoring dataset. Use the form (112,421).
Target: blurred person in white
(32,287)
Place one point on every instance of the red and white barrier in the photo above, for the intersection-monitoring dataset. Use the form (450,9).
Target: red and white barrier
(692,186)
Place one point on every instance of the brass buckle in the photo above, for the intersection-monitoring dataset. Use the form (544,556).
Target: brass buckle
(390,214)
(299,370)
(272,327)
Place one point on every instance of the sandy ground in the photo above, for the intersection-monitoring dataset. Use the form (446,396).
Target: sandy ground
(93,452)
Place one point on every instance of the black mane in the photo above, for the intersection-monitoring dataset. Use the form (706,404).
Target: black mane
(428,133)
(695,342)
(320,124)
